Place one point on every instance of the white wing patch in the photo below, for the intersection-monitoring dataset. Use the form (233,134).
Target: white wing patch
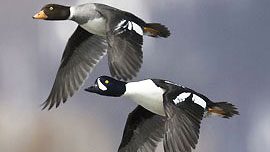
(198,100)
(137,28)
(121,24)
(101,86)
(130,26)
(181,97)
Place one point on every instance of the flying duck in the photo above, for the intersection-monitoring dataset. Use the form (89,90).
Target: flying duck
(166,111)
(101,29)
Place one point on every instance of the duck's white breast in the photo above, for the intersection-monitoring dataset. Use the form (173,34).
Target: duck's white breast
(146,94)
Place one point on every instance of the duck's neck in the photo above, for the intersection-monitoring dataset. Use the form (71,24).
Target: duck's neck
(83,13)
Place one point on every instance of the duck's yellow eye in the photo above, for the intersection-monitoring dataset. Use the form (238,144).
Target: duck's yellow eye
(51,8)
(107,81)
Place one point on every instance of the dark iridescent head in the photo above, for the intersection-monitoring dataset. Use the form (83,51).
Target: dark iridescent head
(53,12)
(108,86)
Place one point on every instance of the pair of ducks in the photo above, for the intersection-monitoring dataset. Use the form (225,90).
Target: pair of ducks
(166,111)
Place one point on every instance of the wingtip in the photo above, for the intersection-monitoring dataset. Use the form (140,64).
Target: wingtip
(57,105)
(47,105)
(44,105)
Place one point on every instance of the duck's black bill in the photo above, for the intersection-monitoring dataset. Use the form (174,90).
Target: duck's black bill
(93,89)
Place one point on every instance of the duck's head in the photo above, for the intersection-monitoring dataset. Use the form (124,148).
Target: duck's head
(53,12)
(108,86)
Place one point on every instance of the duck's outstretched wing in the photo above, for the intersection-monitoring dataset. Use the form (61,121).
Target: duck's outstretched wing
(183,123)
(83,51)
(125,39)
(143,131)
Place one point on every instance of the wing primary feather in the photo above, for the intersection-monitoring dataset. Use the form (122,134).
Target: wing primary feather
(83,51)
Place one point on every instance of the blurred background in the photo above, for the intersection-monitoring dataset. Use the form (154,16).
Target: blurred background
(218,47)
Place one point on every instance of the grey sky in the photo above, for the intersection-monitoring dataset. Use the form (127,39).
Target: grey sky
(217,47)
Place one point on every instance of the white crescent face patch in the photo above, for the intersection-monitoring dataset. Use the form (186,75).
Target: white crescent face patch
(101,86)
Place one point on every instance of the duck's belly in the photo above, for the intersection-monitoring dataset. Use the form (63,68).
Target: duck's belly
(96,26)
(153,103)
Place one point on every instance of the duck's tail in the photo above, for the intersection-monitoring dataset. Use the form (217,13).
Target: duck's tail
(223,109)
(156,30)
